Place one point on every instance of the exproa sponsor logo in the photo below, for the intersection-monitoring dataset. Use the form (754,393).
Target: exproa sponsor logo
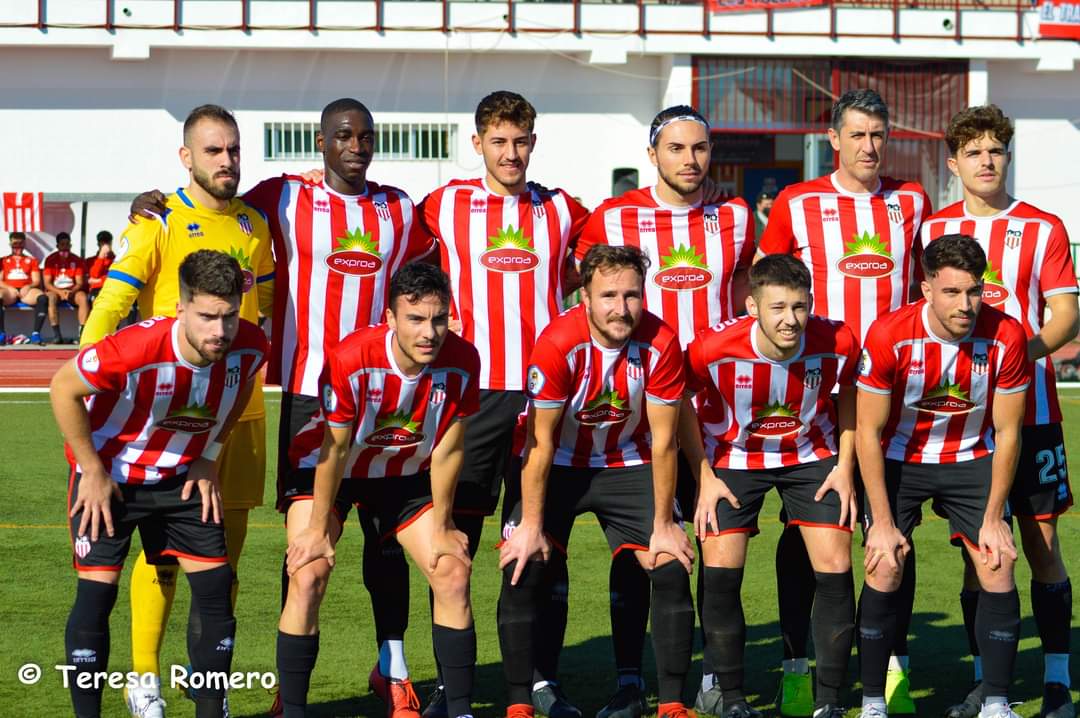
(608,408)
(994,290)
(775,420)
(946,399)
(510,251)
(682,270)
(395,431)
(866,257)
(244,261)
(192,419)
(356,254)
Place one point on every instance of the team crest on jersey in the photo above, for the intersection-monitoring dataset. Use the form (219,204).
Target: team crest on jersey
(510,251)
(90,362)
(245,267)
(865,363)
(535,380)
(980,363)
(329,399)
(382,209)
(194,230)
(232,377)
(634,370)
(994,290)
(866,257)
(646,226)
(355,255)
(916,367)
(1013,237)
(245,223)
(438,393)
(82,546)
(682,270)
(191,419)
(395,431)
(744,381)
(538,207)
(775,420)
(896,215)
(321,205)
(608,408)
(948,398)
(812,378)
(830,214)
(711,222)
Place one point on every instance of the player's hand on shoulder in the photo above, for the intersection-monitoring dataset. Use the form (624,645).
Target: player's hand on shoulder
(524,544)
(309,545)
(448,541)
(95,494)
(712,490)
(841,480)
(312,176)
(202,474)
(668,537)
(148,204)
(996,543)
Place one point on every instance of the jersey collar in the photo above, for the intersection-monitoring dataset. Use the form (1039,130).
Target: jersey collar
(393,362)
(758,352)
(930,332)
(849,193)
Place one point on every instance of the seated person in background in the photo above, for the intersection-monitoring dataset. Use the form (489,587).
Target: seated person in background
(98,267)
(20,280)
(65,281)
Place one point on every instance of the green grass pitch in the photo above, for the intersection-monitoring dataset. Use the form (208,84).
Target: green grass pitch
(38,588)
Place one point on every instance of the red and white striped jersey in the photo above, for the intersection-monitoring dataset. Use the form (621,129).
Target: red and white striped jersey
(505,256)
(153,413)
(1028,260)
(757,413)
(942,391)
(334,257)
(602,392)
(397,420)
(858,247)
(693,253)
(64,269)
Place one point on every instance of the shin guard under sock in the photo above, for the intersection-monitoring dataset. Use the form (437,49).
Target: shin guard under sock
(724,625)
(86,641)
(997,628)
(516,619)
(1051,605)
(552,624)
(41,312)
(672,629)
(906,605)
(794,592)
(877,629)
(296,657)
(630,595)
(211,628)
(969,605)
(455,649)
(833,622)
(386,577)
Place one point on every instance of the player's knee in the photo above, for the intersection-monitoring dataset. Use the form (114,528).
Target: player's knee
(308,585)
(837,560)
(1000,580)
(884,578)
(450,581)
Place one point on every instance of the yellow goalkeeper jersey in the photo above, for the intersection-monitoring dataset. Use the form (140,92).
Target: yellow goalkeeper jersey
(147,266)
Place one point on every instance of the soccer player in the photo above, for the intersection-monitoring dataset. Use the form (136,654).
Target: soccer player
(605,384)
(394,400)
(1029,270)
(65,281)
(205,214)
(699,251)
(942,393)
(855,230)
(505,242)
(768,421)
(20,281)
(144,414)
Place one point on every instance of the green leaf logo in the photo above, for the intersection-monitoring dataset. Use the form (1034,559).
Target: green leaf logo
(866,244)
(357,241)
(510,251)
(866,257)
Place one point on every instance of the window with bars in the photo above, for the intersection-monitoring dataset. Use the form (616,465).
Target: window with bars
(393,141)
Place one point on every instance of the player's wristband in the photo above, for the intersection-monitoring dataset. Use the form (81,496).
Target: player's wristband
(212,450)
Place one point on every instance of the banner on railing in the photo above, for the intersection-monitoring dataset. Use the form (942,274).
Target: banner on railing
(745,5)
(22,211)
(1060,19)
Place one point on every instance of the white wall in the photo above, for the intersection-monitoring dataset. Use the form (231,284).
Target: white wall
(74,121)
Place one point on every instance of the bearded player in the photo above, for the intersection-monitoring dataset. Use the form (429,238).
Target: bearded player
(1029,270)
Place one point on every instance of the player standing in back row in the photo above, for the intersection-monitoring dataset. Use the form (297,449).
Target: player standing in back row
(1029,270)
(855,230)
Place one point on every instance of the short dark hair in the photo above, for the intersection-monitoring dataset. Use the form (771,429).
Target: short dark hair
(670,113)
(344,104)
(765,194)
(862,100)
(104,237)
(208,271)
(780,270)
(505,106)
(974,122)
(959,251)
(62,235)
(208,112)
(417,280)
(17,235)
(606,257)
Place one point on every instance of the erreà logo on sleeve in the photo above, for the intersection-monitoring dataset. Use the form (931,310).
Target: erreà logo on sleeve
(682,270)
(510,251)
(948,398)
(774,420)
(355,254)
(191,419)
(395,431)
(866,257)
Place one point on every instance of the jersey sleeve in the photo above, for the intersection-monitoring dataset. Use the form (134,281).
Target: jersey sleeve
(419,242)
(254,337)
(102,367)
(1014,373)
(1057,274)
(591,234)
(548,377)
(48,269)
(265,195)
(579,217)
(470,398)
(336,393)
(137,260)
(427,213)
(778,237)
(877,362)
(696,371)
(848,347)
(666,381)
(746,256)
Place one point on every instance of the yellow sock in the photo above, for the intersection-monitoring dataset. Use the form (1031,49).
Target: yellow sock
(152,592)
(236,524)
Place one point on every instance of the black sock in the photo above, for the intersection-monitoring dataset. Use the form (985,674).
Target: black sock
(997,628)
(516,619)
(41,312)
(2,324)
(906,605)
(672,629)
(471,525)
(386,577)
(794,592)
(834,626)
(284,580)
(551,626)
(1051,604)
(706,664)
(630,592)
(211,632)
(969,604)
(56,332)
(456,650)
(86,641)
(296,657)
(724,626)
(877,628)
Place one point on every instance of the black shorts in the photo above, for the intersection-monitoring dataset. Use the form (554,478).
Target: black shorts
(390,502)
(489,438)
(959,493)
(621,498)
(797,486)
(296,411)
(1041,487)
(169,527)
